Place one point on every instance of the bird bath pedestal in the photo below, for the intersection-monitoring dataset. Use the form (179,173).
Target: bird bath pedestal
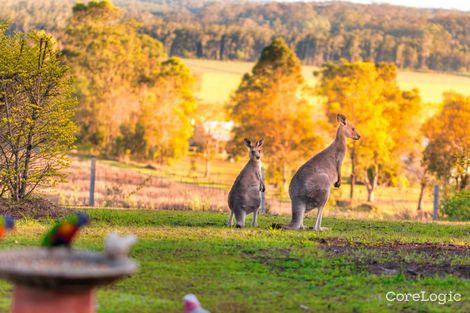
(59,280)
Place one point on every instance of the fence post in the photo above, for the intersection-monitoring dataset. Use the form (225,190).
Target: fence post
(436,202)
(91,198)
(262,194)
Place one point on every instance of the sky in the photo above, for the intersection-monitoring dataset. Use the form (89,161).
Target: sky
(463,5)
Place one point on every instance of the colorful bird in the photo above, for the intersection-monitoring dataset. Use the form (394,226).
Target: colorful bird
(7,222)
(192,305)
(64,231)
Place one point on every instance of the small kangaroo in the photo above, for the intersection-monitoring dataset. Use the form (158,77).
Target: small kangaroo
(310,186)
(244,197)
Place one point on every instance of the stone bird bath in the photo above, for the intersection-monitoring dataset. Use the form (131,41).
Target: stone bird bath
(61,279)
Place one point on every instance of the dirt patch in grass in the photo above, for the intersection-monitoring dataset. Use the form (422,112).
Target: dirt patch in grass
(33,208)
(389,259)
(270,257)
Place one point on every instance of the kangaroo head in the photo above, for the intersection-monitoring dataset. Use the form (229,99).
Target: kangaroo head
(255,150)
(348,129)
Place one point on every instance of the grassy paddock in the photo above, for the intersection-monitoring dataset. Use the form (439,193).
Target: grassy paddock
(263,270)
(177,186)
(220,78)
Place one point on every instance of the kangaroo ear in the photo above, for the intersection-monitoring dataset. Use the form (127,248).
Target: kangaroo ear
(341,118)
(260,142)
(247,142)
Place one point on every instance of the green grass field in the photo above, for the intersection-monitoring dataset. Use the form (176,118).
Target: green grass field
(220,78)
(348,269)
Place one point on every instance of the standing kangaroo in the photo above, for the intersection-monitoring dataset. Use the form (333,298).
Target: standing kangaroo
(310,186)
(244,197)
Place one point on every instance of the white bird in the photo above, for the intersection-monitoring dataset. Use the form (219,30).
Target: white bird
(117,246)
(192,305)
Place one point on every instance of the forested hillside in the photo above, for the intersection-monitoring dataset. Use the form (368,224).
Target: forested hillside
(318,32)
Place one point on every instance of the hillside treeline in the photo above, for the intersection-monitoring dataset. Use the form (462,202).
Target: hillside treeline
(317,32)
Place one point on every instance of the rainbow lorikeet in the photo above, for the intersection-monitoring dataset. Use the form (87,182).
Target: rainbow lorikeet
(7,222)
(65,230)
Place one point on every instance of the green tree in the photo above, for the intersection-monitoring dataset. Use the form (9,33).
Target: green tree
(447,154)
(36,107)
(269,103)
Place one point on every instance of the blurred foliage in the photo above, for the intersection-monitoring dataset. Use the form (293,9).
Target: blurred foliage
(132,99)
(318,32)
(447,154)
(457,206)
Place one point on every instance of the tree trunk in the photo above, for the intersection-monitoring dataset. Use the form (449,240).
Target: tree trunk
(421,194)
(37,100)
(351,189)
(29,148)
(207,155)
(463,181)
(15,181)
(222,47)
(284,176)
(372,175)
(370,195)
(207,167)
(353,173)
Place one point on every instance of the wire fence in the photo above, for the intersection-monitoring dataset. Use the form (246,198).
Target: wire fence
(121,187)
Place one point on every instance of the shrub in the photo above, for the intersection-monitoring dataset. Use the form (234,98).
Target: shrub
(457,207)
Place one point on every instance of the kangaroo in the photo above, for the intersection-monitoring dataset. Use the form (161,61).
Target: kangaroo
(310,186)
(244,197)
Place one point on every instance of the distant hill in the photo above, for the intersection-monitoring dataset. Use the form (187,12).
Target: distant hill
(319,32)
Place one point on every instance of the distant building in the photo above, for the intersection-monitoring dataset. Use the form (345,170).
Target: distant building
(213,134)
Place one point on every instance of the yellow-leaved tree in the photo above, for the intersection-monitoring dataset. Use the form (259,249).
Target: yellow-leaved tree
(167,109)
(385,116)
(133,101)
(270,103)
(447,154)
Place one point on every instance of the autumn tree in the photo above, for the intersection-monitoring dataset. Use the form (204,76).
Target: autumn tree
(418,171)
(36,107)
(126,86)
(384,115)
(269,103)
(447,154)
(109,59)
(402,109)
(167,109)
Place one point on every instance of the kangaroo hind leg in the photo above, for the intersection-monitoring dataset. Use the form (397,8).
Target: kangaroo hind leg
(321,207)
(230,219)
(240,216)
